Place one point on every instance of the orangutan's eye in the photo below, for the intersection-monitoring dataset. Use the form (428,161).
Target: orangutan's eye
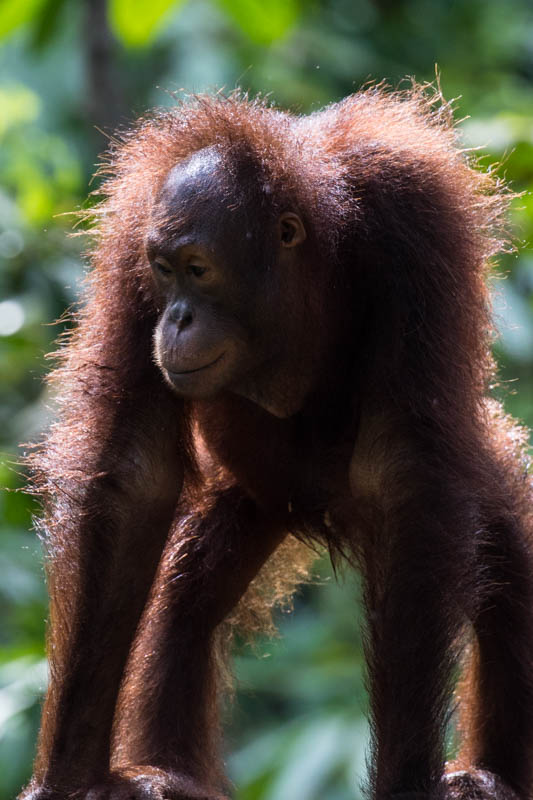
(163,269)
(196,270)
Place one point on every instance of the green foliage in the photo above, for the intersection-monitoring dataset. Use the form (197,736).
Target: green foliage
(14,13)
(298,729)
(263,21)
(306,689)
(136,22)
(38,168)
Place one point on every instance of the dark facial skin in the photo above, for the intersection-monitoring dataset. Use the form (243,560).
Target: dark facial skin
(219,327)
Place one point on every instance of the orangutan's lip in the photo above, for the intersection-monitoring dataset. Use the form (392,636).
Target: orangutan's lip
(173,374)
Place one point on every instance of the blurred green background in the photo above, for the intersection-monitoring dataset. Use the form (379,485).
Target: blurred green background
(70,69)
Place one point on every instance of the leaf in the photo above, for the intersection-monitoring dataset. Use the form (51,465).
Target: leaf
(262,20)
(47,22)
(14,13)
(19,105)
(137,22)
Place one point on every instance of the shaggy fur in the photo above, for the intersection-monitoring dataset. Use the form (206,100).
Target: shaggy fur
(397,462)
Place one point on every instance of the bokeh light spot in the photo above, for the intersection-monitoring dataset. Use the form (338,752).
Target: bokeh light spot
(11,317)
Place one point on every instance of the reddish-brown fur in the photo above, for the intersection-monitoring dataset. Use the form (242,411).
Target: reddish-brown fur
(396,462)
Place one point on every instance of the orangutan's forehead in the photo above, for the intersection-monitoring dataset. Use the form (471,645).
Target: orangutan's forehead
(200,178)
(196,203)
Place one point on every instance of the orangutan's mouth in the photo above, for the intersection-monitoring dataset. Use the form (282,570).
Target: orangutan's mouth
(173,374)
